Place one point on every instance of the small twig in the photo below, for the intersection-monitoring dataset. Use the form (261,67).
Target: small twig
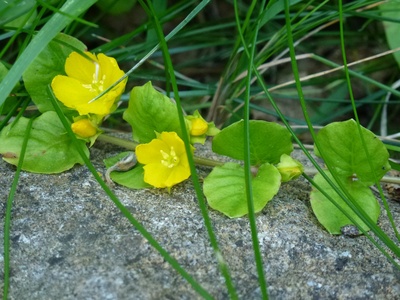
(322,73)
(125,164)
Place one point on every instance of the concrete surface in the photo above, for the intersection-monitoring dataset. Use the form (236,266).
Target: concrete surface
(69,241)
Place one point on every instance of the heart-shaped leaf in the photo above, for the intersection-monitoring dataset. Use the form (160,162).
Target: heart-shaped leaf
(225,188)
(268,141)
(149,111)
(330,216)
(49,63)
(49,149)
(343,150)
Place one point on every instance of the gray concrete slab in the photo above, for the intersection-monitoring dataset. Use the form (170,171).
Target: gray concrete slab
(69,241)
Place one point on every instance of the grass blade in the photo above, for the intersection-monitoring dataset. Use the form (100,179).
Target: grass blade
(247,165)
(7,220)
(195,179)
(164,253)
(40,41)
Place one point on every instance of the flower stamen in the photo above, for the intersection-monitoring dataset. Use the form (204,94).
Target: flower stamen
(169,160)
(164,159)
(96,71)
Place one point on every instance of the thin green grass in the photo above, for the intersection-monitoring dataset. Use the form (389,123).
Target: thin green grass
(342,192)
(196,286)
(7,218)
(195,179)
(44,36)
(237,62)
(246,128)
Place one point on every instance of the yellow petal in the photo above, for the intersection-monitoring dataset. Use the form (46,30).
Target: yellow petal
(173,140)
(156,175)
(81,68)
(74,95)
(110,68)
(149,153)
(177,175)
(198,127)
(165,160)
(70,91)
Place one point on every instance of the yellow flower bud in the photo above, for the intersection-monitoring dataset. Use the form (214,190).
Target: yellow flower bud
(289,168)
(198,127)
(84,128)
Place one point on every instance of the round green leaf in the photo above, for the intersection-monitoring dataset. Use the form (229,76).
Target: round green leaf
(225,188)
(49,63)
(149,111)
(330,216)
(343,150)
(268,141)
(49,149)
(132,178)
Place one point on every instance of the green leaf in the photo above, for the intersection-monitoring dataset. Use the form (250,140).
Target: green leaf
(49,30)
(343,150)
(49,63)
(391,10)
(268,141)
(132,179)
(330,216)
(225,188)
(49,149)
(149,111)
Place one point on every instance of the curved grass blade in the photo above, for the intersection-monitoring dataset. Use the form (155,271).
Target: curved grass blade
(44,36)
(353,104)
(250,53)
(360,213)
(7,221)
(164,253)
(195,179)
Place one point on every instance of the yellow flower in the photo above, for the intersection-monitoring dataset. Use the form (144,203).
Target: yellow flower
(165,160)
(84,128)
(87,78)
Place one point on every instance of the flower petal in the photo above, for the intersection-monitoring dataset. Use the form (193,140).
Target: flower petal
(81,68)
(177,175)
(156,175)
(74,95)
(110,68)
(165,160)
(84,128)
(150,152)
(110,73)
(173,140)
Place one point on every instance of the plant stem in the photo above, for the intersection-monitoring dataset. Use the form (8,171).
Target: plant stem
(208,162)
(130,145)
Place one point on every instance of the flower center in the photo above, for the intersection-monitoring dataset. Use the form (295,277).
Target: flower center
(97,84)
(170,159)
